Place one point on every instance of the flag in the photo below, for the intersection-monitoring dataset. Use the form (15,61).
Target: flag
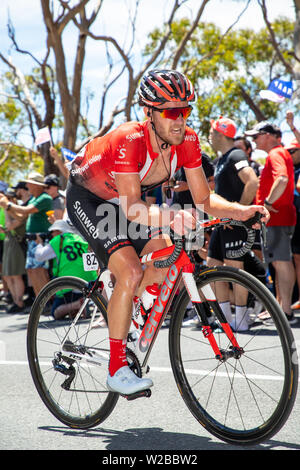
(42,136)
(68,154)
(277,91)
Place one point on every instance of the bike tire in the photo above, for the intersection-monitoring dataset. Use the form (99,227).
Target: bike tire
(87,402)
(241,401)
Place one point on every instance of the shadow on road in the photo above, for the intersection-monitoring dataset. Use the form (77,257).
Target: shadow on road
(158,439)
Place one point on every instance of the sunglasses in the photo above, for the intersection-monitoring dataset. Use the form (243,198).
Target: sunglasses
(257,135)
(174,113)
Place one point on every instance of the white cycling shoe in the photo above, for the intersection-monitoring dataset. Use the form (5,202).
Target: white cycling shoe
(125,381)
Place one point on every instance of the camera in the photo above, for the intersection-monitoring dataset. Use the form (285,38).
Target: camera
(45,236)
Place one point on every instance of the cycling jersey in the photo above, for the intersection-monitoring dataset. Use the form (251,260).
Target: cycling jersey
(127,149)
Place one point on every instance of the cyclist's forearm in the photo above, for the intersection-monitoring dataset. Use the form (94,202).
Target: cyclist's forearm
(217,206)
(141,213)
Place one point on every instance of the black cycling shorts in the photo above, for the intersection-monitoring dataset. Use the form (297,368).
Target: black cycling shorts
(224,239)
(103,224)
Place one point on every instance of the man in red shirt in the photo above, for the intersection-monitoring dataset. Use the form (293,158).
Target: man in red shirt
(276,193)
(106,183)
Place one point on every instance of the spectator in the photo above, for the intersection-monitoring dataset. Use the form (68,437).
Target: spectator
(235,180)
(4,292)
(65,249)
(52,189)
(13,256)
(22,192)
(244,144)
(276,192)
(37,221)
(182,195)
(294,150)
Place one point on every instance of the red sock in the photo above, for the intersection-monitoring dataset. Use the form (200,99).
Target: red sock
(117,355)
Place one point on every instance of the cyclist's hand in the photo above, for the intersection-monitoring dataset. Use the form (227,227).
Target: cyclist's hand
(183,222)
(249,211)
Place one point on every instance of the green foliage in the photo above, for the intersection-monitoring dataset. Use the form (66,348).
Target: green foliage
(18,163)
(222,67)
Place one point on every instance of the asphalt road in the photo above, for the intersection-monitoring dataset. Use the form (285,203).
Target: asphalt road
(160,423)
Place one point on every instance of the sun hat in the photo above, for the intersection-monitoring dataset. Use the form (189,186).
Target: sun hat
(61,225)
(35,178)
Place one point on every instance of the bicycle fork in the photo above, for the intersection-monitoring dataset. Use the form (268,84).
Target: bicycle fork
(206,304)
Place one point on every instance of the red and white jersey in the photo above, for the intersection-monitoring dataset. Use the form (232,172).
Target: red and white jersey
(127,149)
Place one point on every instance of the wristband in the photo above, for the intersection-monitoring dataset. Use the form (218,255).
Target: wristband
(267,203)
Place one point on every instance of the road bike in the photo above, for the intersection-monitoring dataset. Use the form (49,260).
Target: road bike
(241,386)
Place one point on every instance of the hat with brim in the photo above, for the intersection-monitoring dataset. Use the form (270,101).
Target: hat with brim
(35,178)
(264,127)
(61,225)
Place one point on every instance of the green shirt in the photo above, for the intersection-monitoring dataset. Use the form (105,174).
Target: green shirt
(68,261)
(38,221)
(2,222)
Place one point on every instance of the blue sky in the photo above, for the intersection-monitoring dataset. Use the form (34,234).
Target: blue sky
(30,32)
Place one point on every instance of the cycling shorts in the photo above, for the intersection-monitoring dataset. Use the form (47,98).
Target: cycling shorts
(103,224)
(224,239)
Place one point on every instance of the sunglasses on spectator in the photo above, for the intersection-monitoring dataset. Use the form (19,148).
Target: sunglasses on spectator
(174,113)
(257,135)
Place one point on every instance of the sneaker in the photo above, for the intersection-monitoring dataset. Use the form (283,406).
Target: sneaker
(14,308)
(125,381)
(291,318)
(296,305)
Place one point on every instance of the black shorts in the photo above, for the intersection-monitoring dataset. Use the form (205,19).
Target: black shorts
(296,237)
(226,239)
(103,224)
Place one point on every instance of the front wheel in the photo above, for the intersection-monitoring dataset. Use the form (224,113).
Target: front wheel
(240,398)
(68,357)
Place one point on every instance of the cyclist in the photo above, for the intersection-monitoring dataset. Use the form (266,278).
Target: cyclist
(104,189)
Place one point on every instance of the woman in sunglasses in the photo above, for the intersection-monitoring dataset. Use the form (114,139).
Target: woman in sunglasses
(104,201)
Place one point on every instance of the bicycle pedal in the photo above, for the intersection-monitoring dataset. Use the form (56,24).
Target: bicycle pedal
(142,393)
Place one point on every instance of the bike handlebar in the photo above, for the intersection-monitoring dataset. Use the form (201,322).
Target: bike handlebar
(208,225)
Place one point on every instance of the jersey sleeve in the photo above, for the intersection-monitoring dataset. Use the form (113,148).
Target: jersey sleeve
(238,160)
(189,152)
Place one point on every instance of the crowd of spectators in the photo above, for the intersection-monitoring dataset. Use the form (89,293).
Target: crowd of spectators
(36,240)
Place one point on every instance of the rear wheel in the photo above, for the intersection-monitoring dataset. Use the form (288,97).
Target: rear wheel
(243,398)
(68,361)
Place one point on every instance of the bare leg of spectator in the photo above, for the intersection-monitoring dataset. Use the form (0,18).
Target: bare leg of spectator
(38,278)
(285,274)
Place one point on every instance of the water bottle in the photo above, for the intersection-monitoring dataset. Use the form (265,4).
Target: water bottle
(143,304)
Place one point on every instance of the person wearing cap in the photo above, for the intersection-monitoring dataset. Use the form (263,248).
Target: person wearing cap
(276,192)
(22,192)
(235,180)
(65,249)
(294,149)
(37,222)
(52,182)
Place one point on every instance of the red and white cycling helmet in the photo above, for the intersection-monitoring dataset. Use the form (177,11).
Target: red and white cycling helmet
(161,86)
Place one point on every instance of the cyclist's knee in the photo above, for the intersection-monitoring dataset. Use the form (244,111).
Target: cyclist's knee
(130,277)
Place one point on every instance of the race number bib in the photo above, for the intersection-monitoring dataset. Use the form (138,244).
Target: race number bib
(90,262)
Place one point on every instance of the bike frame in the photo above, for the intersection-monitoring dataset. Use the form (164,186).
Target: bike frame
(182,269)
